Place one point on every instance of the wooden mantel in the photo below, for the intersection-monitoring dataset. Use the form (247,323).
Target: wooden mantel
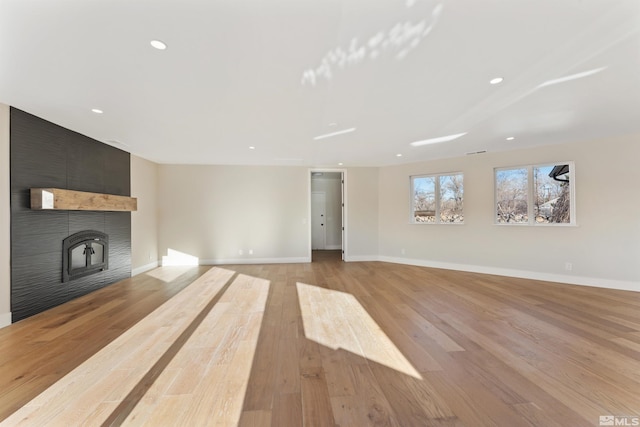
(60,199)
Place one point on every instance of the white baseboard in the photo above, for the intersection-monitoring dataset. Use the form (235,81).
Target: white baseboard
(5,319)
(144,268)
(362,258)
(223,261)
(524,274)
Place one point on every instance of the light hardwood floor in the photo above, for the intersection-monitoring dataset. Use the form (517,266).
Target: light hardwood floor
(351,344)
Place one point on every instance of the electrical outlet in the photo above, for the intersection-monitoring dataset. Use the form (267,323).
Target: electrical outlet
(240,252)
(568,266)
(402,251)
(250,251)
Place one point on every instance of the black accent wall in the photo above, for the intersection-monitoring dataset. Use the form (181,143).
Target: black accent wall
(47,155)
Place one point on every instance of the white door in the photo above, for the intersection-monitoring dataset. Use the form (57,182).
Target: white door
(318,220)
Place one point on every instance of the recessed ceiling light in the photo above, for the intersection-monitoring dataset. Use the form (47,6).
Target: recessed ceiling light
(398,155)
(252,147)
(511,138)
(158,44)
(496,80)
(340,164)
(438,139)
(329,135)
(97,110)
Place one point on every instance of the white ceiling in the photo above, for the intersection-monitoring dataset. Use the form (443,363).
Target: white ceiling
(274,74)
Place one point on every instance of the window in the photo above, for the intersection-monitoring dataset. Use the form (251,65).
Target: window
(512,196)
(532,195)
(437,199)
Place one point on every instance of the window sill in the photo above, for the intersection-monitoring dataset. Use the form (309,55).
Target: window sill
(506,224)
(436,223)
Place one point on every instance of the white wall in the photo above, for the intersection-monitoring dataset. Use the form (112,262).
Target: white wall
(604,247)
(362,214)
(213,212)
(330,185)
(144,221)
(5,223)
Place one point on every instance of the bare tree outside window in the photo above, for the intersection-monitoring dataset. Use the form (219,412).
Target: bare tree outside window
(512,196)
(552,199)
(424,199)
(437,199)
(451,192)
(540,194)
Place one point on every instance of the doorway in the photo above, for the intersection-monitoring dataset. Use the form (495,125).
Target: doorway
(327,214)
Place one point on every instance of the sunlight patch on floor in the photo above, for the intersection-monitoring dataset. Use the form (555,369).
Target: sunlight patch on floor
(336,320)
(207,379)
(170,273)
(89,393)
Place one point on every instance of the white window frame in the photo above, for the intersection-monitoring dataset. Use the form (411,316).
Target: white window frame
(437,176)
(530,195)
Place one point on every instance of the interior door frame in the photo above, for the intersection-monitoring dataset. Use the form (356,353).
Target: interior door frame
(345,252)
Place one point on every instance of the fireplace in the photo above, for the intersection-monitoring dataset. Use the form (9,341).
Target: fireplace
(84,253)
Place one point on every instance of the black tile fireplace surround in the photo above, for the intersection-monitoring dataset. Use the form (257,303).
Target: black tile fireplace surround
(46,155)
